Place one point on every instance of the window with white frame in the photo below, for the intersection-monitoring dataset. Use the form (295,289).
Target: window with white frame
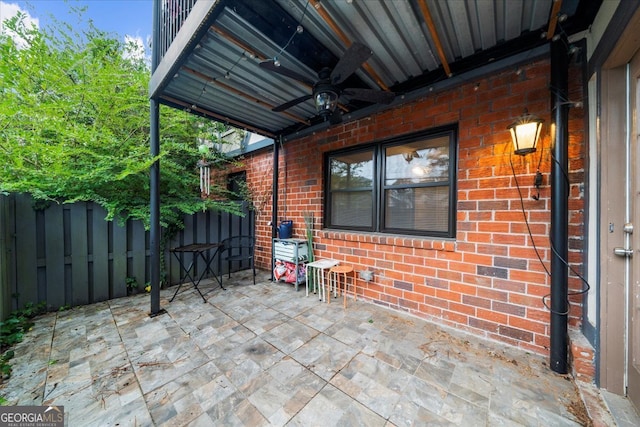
(404,185)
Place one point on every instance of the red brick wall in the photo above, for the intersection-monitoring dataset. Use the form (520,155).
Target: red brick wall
(488,280)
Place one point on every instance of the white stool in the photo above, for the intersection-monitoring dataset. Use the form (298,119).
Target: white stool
(317,271)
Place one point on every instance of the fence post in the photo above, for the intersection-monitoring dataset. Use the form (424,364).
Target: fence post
(5,247)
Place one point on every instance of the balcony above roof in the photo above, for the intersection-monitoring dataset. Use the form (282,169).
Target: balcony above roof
(218,57)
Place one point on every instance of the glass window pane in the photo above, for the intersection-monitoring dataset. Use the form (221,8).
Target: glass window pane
(352,208)
(424,161)
(400,185)
(351,171)
(422,209)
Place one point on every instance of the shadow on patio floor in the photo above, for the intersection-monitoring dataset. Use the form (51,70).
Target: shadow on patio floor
(268,355)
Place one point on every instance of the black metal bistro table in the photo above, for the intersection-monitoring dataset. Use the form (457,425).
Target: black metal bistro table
(199,250)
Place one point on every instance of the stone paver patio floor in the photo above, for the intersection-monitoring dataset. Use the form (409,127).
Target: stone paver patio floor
(268,355)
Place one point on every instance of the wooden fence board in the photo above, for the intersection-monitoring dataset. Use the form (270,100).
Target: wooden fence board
(216,226)
(172,267)
(201,229)
(26,277)
(100,254)
(189,235)
(79,254)
(6,255)
(118,261)
(189,226)
(54,257)
(138,254)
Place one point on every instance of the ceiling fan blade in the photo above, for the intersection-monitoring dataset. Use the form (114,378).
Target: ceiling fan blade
(370,95)
(352,59)
(270,66)
(291,103)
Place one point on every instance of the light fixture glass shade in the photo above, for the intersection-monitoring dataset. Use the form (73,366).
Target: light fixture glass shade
(525,133)
(326,102)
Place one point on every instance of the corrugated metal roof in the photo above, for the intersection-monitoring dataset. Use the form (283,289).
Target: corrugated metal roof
(415,43)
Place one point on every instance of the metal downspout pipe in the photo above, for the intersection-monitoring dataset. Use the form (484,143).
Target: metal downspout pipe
(559,205)
(154,176)
(274,195)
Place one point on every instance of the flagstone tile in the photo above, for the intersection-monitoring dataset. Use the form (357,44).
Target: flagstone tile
(264,320)
(167,362)
(232,336)
(235,410)
(409,414)
(324,356)
(289,336)
(332,407)
(372,383)
(267,355)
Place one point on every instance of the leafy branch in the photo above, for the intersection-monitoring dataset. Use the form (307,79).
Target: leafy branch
(74,126)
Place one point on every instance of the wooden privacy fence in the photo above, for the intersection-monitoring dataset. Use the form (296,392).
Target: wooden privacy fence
(69,255)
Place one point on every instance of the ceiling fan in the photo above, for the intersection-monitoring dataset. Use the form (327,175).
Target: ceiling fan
(326,90)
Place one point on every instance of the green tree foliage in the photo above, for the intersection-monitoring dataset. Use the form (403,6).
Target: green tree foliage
(74,126)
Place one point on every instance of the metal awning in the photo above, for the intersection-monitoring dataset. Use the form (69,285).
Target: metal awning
(213,66)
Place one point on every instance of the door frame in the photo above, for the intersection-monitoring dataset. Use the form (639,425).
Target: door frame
(633,296)
(617,105)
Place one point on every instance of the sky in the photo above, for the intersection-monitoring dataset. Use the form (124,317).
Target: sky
(121,18)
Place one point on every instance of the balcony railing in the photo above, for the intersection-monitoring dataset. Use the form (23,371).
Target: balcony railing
(173,13)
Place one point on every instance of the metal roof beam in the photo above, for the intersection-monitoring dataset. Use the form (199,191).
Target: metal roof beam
(426,14)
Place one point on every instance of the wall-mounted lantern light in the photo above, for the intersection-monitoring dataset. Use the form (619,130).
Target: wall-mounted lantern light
(525,132)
